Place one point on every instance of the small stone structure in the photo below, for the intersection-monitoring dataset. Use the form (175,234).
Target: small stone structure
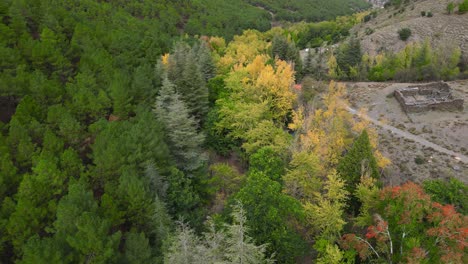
(433,96)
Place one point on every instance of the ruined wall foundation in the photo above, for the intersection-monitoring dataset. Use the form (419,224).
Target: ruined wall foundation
(422,98)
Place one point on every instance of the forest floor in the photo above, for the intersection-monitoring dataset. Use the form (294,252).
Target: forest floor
(421,146)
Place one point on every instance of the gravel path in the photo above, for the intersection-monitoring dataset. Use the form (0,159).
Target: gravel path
(410,136)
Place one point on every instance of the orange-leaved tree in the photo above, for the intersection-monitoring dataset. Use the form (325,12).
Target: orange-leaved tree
(404,225)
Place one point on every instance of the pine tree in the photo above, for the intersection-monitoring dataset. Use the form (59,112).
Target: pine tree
(188,70)
(241,247)
(137,249)
(184,140)
(349,55)
(358,162)
(279,47)
(230,244)
(176,62)
(183,248)
(142,85)
(192,87)
(205,61)
(36,200)
(213,247)
(308,68)
(121,95)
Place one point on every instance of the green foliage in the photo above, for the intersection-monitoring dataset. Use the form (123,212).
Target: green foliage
(405,225)
(228,244)
(358,162)
(326,32)
(268,161)
(417,62)
(310,11)
(189,68)
(137,249)
(254,112)
(285,49)
(183,197)
(223,18)
(216,89)
(404,33)
(330,253)
(37,198)
(90,174)
(349,57)
(450,8)
(419,160)
(463,7)
(120,95)
(369,31)
(452,192)
(80,233)
(118,146)
(216,138)
(225,179)
(367,18)
(326,213)
(181,128)
(269,211)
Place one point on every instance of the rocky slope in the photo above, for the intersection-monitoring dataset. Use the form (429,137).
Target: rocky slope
(377,3)
(381,32)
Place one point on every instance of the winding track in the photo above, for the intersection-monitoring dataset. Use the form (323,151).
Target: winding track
(409,136)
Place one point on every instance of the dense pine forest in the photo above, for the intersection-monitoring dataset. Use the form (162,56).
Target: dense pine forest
(176,132)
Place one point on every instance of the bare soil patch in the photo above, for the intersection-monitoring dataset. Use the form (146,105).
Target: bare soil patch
(411,160)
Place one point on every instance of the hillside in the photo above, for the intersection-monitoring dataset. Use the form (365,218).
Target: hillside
(228,18)
(381,32)
(307,10)
(377,3)
(175,132)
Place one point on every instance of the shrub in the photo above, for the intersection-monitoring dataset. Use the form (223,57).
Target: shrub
(429,14)
(423,13)
(419,160)
(452,191)
(463,7)
(450,8)
(369,31)
(367,18)
(404,33)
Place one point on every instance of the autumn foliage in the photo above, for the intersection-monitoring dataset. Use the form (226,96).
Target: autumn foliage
(408,227)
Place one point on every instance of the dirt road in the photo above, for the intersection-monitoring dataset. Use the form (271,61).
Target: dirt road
(410,136)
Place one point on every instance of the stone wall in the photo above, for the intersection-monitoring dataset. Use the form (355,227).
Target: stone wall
(434,96)
(453,105)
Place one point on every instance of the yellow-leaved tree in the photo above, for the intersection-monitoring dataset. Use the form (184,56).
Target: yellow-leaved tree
(325,212)
(243,50)
(260,96)
(322,136)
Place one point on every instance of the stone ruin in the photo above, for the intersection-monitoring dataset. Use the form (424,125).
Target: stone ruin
(433,96)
